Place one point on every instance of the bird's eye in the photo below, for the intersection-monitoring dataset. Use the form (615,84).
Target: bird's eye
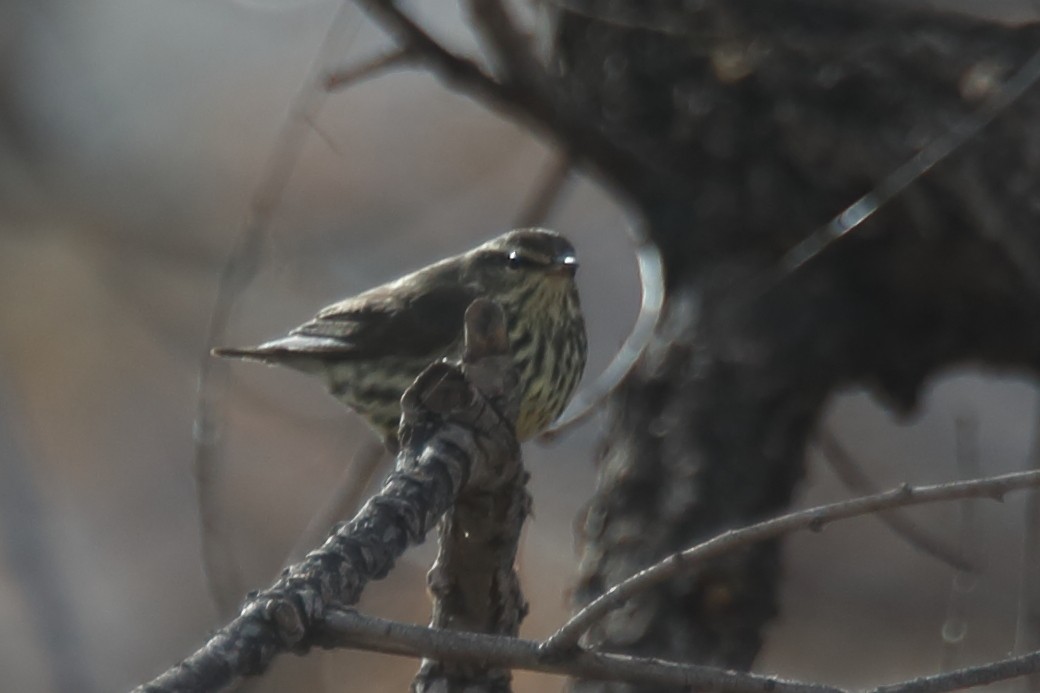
(515,260)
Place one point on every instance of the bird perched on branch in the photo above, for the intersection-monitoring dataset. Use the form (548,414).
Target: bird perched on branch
(371,347)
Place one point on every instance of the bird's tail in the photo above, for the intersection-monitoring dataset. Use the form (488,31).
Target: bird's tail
(258,353)
(296,351)
(272,354)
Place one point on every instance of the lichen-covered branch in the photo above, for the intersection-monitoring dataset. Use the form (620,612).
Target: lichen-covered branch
(450,431)
(473,582)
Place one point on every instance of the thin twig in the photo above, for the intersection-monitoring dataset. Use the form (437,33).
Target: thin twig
(507,46)
(529,94)
(914,168)
(346,628)
(223,575)
(851,473)
(349,76)
(537,102)
(457,71)
(969,677)
(568,636)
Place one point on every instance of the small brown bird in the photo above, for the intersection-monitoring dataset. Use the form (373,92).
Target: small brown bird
(371,347)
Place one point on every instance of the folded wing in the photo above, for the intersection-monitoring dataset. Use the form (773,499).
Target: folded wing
(384,321)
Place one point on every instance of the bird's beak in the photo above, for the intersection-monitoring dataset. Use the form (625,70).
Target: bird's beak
(564,266)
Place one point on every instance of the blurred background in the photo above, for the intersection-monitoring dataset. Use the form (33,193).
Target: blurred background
(133,135)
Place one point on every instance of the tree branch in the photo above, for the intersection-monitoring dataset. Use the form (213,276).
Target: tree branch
(539,102)
(506,45)
(815,519)
(347,628)
(935,152)
(349,76)
(457,71)
(1001,670)
(851,473)
(452,427)
(473,580)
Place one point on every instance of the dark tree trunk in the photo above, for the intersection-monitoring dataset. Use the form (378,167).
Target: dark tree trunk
(762,119)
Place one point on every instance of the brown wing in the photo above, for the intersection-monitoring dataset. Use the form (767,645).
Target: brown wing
(387,321)
(417,315)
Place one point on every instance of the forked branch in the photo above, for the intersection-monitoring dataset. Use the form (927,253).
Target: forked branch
(457,420)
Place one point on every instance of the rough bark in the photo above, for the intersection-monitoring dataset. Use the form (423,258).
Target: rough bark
(457,433)
(473,582)
(775,116)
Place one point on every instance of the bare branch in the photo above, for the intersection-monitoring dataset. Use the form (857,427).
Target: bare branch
(911,171)
(508,48)
(851,473)
(1001,670)
(816,518)
(457,71)
(538,102)
(455,422)
(473,581)
(349,76)
(346,628)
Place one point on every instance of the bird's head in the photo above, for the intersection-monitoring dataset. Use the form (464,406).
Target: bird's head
(523,258)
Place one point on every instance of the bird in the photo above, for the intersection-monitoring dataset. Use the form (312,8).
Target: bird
(369,348)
